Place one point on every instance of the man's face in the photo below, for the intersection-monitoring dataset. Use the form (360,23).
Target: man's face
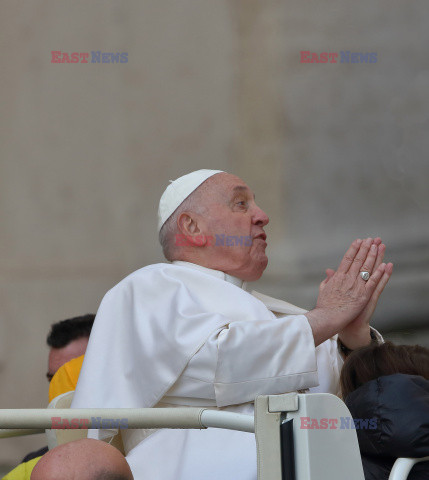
(60,356)
(231,211)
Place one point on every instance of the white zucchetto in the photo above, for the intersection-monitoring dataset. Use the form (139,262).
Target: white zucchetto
(179,190)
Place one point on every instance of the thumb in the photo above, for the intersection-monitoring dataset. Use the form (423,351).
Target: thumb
(329,274)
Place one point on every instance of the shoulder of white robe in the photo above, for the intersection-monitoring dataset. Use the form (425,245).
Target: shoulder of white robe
(276,305)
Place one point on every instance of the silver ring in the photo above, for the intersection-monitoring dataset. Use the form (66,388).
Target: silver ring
(364,276)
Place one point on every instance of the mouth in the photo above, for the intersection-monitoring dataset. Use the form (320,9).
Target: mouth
(262,236)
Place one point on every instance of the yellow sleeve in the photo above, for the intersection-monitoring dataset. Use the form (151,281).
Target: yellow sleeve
(65,379)
(22,471)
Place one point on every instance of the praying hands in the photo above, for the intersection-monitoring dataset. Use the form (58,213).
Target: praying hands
(348,296)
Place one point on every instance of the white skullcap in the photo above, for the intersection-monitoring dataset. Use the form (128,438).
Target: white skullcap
(179,190)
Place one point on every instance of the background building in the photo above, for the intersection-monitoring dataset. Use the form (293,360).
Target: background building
(334,151)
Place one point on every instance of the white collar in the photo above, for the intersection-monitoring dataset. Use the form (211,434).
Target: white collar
(215,273)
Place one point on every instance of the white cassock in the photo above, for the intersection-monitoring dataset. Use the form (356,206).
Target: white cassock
(181,334)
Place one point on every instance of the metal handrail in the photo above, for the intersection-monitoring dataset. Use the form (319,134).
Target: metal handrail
(135,418)
(29,421)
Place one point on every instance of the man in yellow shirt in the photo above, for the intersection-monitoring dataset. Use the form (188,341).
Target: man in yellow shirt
(66,378)
(22,471)
(67,340)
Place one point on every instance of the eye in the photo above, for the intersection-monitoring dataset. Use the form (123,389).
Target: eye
(240,203)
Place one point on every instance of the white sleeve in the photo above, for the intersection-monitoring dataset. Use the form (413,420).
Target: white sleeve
(264,358)
(247,359)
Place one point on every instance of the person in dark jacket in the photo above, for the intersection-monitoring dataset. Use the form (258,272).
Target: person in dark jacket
(389,385)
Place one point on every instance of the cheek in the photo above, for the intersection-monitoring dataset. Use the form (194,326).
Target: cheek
(235,224)
(247,255)
(234,255)
(258,248)
(53,363)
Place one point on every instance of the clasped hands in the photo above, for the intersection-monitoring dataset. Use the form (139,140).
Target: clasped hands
(346,301)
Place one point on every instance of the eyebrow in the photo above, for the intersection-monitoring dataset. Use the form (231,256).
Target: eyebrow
(240,188)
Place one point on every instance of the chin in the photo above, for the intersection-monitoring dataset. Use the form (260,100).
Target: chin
(257,272)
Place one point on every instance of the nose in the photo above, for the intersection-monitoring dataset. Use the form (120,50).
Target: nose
(259,217)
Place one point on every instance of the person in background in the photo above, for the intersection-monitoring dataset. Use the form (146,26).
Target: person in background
(85,459)
(66,377)
(389,385)
(66,340)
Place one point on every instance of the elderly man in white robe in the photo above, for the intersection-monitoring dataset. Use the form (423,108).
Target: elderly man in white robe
(192,333)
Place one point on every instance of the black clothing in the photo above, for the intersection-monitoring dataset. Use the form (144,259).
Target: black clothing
(399,407)
(37,453)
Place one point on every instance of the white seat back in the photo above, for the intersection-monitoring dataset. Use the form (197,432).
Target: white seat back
(320,453)
(331,452)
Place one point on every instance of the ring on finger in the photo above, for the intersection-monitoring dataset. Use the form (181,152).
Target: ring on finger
(364,276)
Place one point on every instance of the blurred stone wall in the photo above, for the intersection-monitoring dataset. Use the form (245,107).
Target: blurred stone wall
(333,151)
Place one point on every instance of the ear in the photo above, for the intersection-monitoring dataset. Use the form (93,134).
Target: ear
(189,225)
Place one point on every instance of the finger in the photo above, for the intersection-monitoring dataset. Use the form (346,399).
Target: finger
(365,252)
(349,256)
(379,289)
(329,274)
(383,281)
(380,255)
(370,261)
(377,241)
(375,279)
